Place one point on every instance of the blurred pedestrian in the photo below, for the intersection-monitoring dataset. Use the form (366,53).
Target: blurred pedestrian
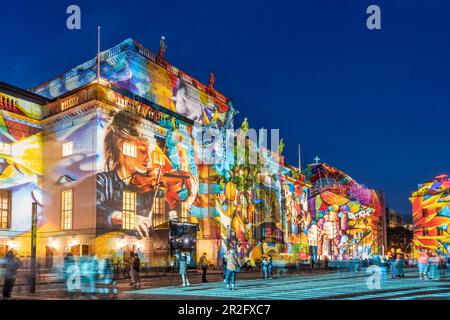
(10,264)
(434,266)
(183,262)
(391,262)
(270,267)
(422,262)
(399,264)
(264,267)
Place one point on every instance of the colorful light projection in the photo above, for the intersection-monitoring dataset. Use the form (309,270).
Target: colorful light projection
(20,159)
(129,66)
(156,168)
(346,214)
(431,215)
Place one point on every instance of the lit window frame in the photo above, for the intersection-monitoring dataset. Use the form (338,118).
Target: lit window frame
(5,209)
(5,148)
(67,209)
(129,149)
(128,210)
(159,209)
(67,148)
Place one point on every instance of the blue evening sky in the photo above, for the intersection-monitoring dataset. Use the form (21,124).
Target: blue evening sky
(375,104)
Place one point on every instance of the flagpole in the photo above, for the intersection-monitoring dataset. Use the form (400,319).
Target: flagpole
(98,54)
(299,160)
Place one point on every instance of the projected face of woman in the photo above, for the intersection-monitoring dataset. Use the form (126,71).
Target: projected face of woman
(130,164)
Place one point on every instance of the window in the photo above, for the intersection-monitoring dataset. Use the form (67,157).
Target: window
(128,209)
(129,150)
(5,148)
(425,232)
(67,148)
(159,210)
(424,212)
(5,208)
(440,232)
(184,212)
(66,209)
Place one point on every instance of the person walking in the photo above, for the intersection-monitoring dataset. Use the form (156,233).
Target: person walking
(204,266)
(392,266)
(270,267)
(183,263)
(399,263)
(232,265)
(434,266)
(10,265)
(422,262)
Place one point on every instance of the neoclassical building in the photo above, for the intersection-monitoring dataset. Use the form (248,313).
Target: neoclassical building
(137,155)
(114,164)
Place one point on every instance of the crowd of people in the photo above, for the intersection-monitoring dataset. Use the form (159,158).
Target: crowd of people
(433,265)
(86,273)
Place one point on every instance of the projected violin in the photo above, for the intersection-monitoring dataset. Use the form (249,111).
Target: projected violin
(169,181)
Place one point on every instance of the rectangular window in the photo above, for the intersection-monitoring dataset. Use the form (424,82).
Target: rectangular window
(128,210)
(440,232)
(67,148)
(184,212)
(425,232)
(66,209)
(5,148)
(5,209)
(159,210)
(129,150)
(424,212)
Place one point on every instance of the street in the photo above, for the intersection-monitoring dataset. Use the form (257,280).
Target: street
(320,285)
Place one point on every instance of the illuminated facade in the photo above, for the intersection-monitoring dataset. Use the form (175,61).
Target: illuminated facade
(347,217)
(114,163)
(431,215)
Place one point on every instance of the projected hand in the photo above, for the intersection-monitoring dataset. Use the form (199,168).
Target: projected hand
(194,183)
(143,224)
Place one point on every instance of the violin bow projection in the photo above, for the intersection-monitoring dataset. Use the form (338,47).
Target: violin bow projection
(158,180)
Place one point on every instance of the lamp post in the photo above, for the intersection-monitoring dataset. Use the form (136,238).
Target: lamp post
(33,247)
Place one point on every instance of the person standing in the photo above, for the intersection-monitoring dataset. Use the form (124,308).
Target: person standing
(204,266)
(422,262)
(232,264)
(182,263)
(392,265)
(136,265)
(434,266)
(134,269)
(270,267)
(264,267)
(399,263)
(10,264)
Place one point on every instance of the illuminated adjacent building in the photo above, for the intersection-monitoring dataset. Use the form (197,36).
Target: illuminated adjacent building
(431,215)
(121,163)
(348,216)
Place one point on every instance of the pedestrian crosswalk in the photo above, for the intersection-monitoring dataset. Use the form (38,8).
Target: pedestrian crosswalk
(298,287)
